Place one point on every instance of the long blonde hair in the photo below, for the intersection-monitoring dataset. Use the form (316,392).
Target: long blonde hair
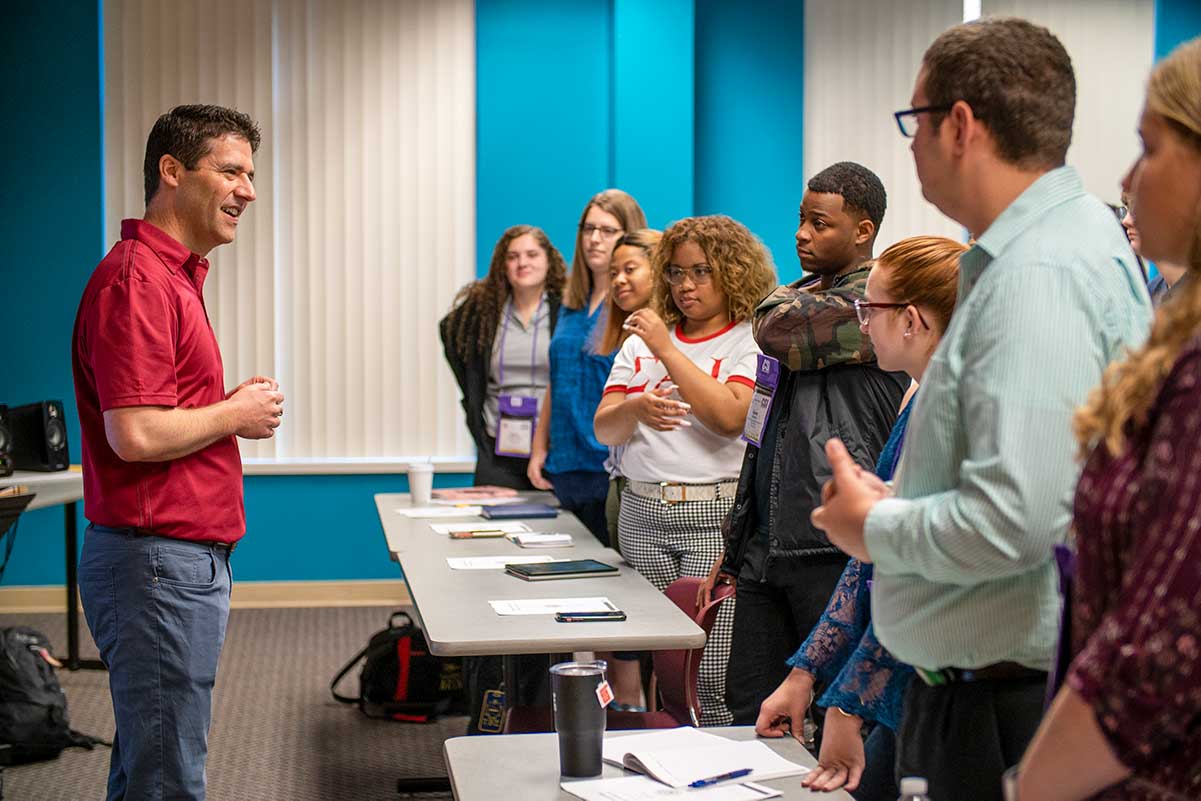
(628,213)
(614,335)
(1130,386)
(742,266)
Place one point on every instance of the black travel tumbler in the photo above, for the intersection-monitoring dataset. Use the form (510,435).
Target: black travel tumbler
(579,716)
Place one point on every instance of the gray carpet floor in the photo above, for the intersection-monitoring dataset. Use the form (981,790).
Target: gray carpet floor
(276,734)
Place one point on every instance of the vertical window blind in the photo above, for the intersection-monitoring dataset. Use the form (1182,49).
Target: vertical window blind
(861,59)
(1112,46)
(364,224)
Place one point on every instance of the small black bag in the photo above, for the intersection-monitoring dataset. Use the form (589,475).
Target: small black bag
(33,709)
(401,680)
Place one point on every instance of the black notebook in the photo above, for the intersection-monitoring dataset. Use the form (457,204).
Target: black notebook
(576,568)
(517,511)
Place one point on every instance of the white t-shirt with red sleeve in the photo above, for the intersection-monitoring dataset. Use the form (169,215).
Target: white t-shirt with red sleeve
(687,455)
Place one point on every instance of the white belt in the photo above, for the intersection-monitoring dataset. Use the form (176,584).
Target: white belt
(667,492)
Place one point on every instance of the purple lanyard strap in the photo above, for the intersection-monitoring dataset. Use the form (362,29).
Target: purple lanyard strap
(504,329)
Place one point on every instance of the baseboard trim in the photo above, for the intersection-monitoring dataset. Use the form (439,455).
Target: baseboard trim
(246,595)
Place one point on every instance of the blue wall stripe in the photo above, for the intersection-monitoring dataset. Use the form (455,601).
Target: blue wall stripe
(653,119)
(542,101)
(750,64)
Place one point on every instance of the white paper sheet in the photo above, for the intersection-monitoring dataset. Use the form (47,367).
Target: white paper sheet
(439,511)
(678,757)
(549,606)
(496,562)
(641,788)
(506,526)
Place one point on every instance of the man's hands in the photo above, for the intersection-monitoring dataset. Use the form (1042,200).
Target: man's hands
(258,379)
(783,712)
(846,500)
(841,761)
(655,409)
(258,407)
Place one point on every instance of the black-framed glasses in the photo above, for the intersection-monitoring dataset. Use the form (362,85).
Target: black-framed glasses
(907,119)
(699,275)
(863,310)
(606,231)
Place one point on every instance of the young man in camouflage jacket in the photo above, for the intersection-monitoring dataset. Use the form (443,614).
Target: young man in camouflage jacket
(828,385)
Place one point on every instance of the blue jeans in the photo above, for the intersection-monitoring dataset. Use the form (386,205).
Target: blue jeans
(157,609)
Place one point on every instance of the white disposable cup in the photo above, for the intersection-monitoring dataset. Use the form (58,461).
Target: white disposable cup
(421,483)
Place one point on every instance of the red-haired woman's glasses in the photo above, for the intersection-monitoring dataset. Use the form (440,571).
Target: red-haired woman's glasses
(863,310)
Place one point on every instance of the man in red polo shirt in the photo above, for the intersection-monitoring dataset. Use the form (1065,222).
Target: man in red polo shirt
(162,474)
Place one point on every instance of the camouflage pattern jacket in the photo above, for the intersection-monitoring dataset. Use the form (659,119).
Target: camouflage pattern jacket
(830,386)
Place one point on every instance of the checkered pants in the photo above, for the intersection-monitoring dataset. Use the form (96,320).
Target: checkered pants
(666,541)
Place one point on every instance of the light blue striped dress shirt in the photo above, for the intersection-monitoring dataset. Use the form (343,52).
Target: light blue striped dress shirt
(1048,296)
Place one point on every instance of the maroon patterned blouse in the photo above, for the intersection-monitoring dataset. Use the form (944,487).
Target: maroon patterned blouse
(1136,606)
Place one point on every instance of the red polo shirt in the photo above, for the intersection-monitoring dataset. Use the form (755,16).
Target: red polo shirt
(143,338)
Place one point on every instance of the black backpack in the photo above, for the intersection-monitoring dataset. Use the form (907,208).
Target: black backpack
(33,710)
(401,680)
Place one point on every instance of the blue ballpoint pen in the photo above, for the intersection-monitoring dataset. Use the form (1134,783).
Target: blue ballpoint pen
(734,774)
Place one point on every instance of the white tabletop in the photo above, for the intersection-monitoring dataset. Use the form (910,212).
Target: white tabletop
(453,604)
(53,489)
(526,766)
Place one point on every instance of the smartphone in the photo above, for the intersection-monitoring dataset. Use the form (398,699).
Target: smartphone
(590,617)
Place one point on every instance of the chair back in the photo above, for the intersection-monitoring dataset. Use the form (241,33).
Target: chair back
(677,670)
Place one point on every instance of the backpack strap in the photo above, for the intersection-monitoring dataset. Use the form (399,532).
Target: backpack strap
(349,666)
(369,651)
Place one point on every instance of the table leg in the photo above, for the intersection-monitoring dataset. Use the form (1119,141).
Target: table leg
(509,672)
(72,537)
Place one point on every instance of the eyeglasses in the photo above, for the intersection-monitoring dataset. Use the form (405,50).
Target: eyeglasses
(907,119)
(863,310)
(606,231)
(698,275)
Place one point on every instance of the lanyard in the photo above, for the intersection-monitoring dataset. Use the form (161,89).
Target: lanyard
(504,329)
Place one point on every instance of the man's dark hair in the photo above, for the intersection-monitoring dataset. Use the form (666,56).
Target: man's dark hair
(1018,80)
(185,133)
(861,189)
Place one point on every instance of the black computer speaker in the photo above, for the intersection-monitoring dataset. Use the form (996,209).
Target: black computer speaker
(39,436)
(6,443)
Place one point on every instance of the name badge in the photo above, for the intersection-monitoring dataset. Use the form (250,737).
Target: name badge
(767,378)
(515,425)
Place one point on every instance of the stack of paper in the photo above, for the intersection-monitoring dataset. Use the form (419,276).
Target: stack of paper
(536,539)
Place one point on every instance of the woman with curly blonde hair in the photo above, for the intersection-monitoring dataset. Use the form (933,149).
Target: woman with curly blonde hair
(1124,723)
(677,399)
(496,340)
